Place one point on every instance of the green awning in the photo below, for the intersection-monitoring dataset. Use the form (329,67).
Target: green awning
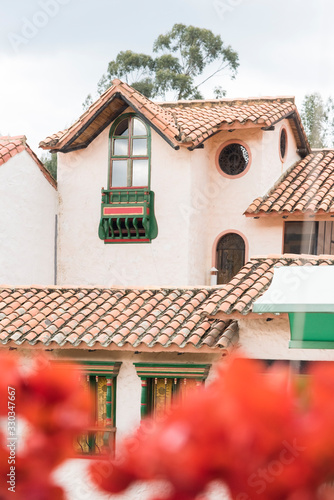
(306,293)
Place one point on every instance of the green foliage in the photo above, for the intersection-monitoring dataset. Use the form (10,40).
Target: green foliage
(183,54)
(318,120)
(50,163)
(87,102)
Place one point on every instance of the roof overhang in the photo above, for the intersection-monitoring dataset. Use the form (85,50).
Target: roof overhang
(89,129)
(306,293)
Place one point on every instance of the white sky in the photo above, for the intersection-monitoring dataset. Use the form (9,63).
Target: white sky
(285,48)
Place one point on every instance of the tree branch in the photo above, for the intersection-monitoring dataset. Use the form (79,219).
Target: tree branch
(208,78)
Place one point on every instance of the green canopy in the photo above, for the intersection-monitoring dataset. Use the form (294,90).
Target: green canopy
(306,293)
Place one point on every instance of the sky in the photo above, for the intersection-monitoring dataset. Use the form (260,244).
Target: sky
(53,52)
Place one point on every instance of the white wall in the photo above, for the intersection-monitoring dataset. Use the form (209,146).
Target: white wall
(194,203)
(263,339)
(28,205)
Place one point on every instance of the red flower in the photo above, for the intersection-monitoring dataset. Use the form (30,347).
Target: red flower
(249,429)
(52,400)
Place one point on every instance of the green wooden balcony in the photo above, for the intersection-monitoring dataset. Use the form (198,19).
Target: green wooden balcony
(127,216)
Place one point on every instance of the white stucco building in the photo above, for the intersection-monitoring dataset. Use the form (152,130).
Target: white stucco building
(28,208)
(186,187)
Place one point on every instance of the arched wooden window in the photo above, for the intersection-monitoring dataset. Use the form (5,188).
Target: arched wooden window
(230,256)
(130,153)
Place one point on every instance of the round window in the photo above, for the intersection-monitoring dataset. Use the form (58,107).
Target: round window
(283,143)
(233,159)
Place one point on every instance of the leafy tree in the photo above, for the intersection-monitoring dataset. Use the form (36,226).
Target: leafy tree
(50,163)
(183,55)
(318,120)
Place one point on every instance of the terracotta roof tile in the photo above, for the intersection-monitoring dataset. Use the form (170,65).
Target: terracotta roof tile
(167,318)
(181,123)
(259,272)
(307,186)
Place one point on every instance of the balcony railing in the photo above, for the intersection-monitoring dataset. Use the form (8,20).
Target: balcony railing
(127,216)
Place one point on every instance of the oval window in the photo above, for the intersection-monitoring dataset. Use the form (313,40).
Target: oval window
(283,143)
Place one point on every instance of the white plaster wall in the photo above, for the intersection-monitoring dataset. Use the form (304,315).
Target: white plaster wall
(83,258)
(194,203)
(263,339)
(28,205)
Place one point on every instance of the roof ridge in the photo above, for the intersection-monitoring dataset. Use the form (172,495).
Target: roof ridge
(226,101)
(9,138)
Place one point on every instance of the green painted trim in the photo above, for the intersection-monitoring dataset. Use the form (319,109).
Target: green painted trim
(310,344)
(109,398)
(172,365)
(143,399)
(293,308)
(114,401)
(157,370)
(96,368)
(93,390)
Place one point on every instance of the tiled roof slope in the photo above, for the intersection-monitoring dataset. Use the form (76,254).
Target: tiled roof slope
(198,120)
(152,319)
(11,146)
(182,123)
(306,187)
(253,280)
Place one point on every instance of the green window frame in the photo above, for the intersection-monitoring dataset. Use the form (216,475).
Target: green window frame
(127,206)
(129,153)
(160,383)
(100,378)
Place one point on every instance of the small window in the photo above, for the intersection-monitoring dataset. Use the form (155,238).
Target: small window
(233,159)
(283,143)
(313,238)
(130,155)
(162,391)
(230,256)
(100,436)
(162,383)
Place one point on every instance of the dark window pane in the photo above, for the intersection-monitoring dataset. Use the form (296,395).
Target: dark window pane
(230,256)
(283,142)
(122,128)
(300,237)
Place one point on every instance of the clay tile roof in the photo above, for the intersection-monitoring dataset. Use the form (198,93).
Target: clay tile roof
(252,281)
(181,123)
(308,186)
(11,146)
(158,319)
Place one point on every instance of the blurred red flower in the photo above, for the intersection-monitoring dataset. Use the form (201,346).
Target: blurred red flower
(254,431)
(51,399)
